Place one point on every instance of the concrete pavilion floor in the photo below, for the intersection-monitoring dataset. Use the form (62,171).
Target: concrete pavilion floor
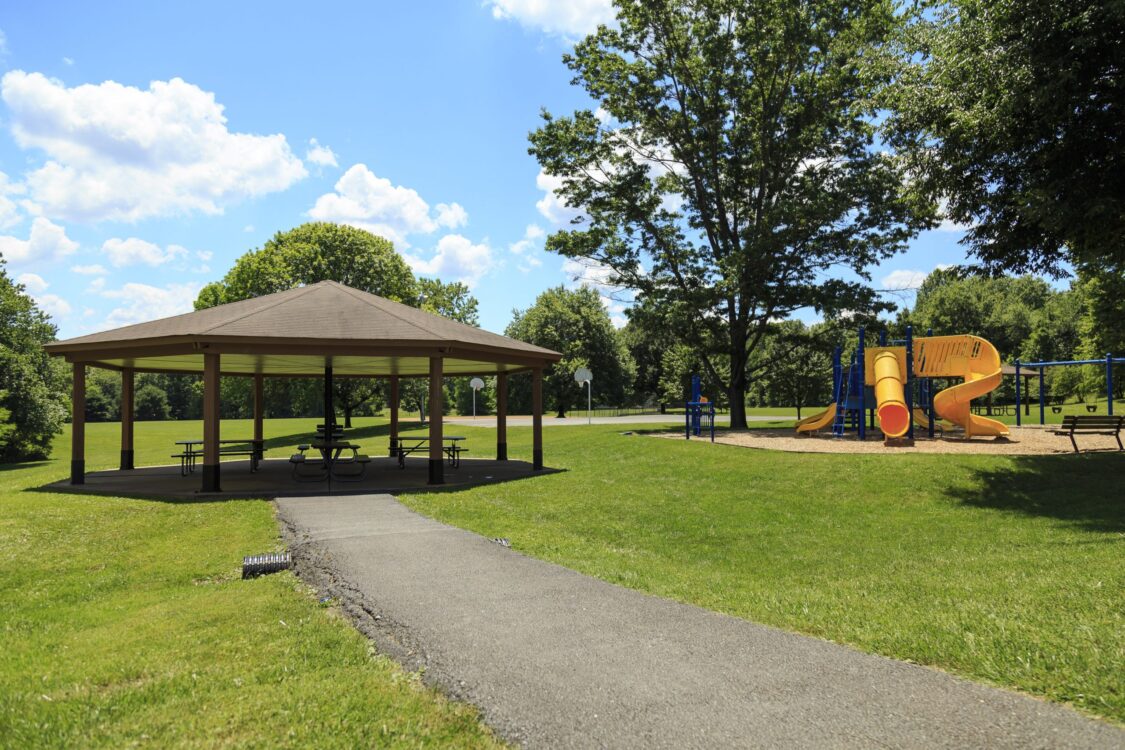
(274,478)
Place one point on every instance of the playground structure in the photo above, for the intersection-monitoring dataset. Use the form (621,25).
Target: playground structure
(1109,362)
(696,409)
(883,380)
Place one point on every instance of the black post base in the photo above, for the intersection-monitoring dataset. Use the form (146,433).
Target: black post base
(501,451)
(537,459)
(392,449)
(127,460)
(437,472)
(210,478)
(78,472)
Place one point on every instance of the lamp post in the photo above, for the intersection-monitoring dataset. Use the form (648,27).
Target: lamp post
(476,384)
(583,375)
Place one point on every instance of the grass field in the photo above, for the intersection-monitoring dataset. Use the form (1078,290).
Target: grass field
(125,624)
(125,617)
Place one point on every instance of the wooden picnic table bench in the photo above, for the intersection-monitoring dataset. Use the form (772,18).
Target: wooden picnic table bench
(191,454)
(350,468)
(1081,424)
(451,449)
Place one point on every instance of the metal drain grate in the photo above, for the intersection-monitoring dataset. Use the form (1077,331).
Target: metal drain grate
(257,565)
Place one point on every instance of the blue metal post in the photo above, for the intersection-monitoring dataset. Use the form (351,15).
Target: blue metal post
(883,337)
(1042,413)
(1018,418)
(1109,382)
(909,390)
(930,393)
(862,390)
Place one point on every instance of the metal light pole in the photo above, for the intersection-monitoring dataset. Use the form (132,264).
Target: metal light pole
(583,375)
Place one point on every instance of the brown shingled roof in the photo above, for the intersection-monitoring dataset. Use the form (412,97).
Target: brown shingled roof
(297,331)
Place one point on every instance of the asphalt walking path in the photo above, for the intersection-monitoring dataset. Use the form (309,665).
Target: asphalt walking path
(557,659)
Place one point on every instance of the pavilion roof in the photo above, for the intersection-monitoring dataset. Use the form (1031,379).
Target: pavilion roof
(299,331)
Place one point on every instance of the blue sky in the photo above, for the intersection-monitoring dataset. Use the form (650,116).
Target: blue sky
(145,146)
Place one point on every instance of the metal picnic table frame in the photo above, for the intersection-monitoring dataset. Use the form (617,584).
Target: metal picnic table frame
(417,444)
(189,455)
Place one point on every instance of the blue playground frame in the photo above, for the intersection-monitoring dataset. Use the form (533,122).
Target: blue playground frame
(849,391)
(1109,361)
(696,408)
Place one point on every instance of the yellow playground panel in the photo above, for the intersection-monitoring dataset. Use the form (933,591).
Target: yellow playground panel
(888,369)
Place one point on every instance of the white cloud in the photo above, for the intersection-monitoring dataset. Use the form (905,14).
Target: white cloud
(46,241)
(322,156)
(369,202)
(904,280)
(551,206)
(68,61)
(122,153)
(531,237)
(526,248)
(3,43)
(143,302)
(451,215)
(134,251)
(91,270)
(36,288)
(571,18)
(455,259)
(248,228)
(9,213)
(32,282)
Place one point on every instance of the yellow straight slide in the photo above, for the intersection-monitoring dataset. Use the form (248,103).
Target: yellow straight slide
(817,421)
(971,358)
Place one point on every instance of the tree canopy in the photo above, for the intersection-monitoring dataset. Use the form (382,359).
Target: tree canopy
(31,385)
(731,169)
(575,323)
(320,251)
(1012,111)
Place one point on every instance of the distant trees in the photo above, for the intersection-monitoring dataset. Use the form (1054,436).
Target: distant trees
(32,387)
(575,323)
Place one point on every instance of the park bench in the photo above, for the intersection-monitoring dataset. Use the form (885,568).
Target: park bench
(1075,424)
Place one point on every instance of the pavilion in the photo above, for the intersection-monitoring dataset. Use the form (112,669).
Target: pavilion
(323,330)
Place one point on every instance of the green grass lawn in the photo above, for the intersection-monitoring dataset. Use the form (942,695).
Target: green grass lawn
(125,618)
(1009,570)
(125,623)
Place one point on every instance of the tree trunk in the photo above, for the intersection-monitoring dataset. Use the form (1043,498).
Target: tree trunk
(737,392)
(347,416)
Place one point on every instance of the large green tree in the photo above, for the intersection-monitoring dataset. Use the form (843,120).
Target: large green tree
(31,385)
(732,171)
(1013,111)
(322,251)
(575,323)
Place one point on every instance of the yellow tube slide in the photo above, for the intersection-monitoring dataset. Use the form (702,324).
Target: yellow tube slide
(894,417)
(817,421)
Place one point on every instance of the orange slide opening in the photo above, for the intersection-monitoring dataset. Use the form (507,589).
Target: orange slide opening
(894,419)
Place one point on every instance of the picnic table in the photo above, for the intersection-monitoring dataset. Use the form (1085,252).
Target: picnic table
(330,462)
(451,449)
(190,454)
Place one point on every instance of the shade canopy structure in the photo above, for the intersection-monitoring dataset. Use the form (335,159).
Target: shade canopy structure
(326,330)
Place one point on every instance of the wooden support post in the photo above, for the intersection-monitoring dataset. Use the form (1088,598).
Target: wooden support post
(393,447)
(211,423)
(502,416)
(437,475)
(78,426)
(537,419)
(127,419)
(259,415)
